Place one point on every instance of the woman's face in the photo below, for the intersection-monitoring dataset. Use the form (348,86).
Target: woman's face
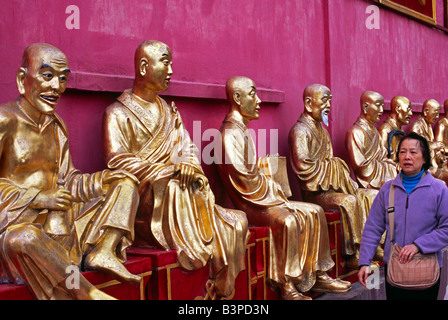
(410,157)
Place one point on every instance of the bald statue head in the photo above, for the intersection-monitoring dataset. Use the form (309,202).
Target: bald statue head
(242,95)
(372,104)
(316,99)
(401,108)
(153,66)
(42,77)
(431,110)
(445,107)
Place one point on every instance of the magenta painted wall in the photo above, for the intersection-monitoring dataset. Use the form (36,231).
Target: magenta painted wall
(282,45)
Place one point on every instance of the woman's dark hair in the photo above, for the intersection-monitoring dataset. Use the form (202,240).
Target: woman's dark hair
(424,146)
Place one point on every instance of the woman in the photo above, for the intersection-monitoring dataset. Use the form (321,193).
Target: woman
(421,215)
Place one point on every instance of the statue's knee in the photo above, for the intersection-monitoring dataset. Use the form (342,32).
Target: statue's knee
(290,221)
(349,201)
(316,211)
(22,238)
(242,219)
(128,184)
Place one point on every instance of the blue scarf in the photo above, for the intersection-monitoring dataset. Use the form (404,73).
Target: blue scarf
(409,182)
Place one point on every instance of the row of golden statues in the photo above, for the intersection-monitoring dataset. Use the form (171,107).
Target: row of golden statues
(53,216)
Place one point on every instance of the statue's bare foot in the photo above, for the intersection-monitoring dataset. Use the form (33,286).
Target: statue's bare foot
(110,264)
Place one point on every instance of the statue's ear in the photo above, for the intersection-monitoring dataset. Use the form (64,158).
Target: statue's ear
(142,67)
(236,98)
(365,107)
(20,79)
(425,112)
(307,103)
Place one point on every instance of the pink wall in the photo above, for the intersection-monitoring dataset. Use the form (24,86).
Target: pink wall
(283,48)
(403,57)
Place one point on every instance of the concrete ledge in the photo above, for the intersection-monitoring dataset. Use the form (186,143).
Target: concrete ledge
(88,81)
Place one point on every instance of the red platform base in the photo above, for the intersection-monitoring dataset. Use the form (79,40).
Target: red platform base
(340,270)
(163,279)
(122,291)
(170,282)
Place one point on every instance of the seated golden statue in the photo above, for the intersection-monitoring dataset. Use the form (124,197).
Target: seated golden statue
(299,246)
(367,155)
(391,130)
(423,126)
(324,178)
(145,136)
(441,128)
(51,215)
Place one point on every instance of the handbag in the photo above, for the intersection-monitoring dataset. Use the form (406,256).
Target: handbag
(421,272)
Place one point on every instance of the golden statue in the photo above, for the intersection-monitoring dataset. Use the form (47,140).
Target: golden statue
(51,215)
(423,126)
(299,245)
(441,128)
(367,155)
(145,136)
(324,178)
(391,130)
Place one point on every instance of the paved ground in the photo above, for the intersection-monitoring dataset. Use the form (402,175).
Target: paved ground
(359,292)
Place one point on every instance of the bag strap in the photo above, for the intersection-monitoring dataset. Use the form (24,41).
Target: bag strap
(391,213)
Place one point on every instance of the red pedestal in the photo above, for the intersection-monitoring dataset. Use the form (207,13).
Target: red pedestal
(340,270)
(170,282)
(164,279)
(141,266)
(122,291)
(14,292)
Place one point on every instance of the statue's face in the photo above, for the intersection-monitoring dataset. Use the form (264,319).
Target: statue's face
(404,111)
(158,68)
(432,112)
(46,80)
(320,105)
(249,101)
(374,108)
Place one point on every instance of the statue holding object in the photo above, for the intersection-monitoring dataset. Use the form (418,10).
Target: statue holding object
(52,215)
(324,178)
(299,246)
(145,136)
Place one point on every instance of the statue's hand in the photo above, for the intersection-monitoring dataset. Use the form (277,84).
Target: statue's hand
(55,199)
(110,176)
(185,173)
(201,181)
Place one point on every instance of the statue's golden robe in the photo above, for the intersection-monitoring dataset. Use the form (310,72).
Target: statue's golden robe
(390,133)
(325,179)
(441,131)
(421,127)
(367,155)
(187,220)
(32,157)
(298,232)
(438,159)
